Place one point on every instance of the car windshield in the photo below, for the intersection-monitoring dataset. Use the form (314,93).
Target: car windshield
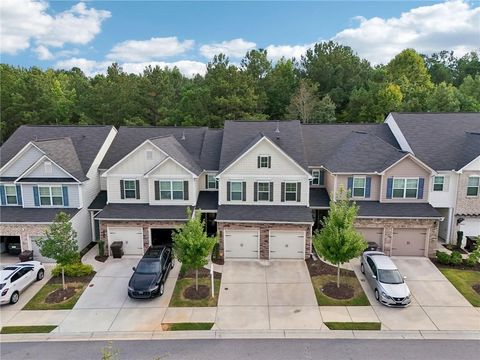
(390,276)
(148,267)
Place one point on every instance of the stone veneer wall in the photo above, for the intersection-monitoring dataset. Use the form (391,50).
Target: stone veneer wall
(389,224)
(467,205)
(264,232)
(145,225)
(24,231)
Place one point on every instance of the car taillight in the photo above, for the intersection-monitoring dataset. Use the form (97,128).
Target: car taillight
(4,291)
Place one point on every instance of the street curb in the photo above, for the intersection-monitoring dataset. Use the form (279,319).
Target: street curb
(245,334)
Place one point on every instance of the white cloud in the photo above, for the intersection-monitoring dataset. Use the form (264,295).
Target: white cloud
(147,50)
(27,20)
(235,48)
(276,52)
(89,67)
(43,53)
(452,25)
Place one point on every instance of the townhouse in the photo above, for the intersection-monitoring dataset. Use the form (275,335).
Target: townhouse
(45,170)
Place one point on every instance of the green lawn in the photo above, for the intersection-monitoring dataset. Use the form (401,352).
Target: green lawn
(189,326)
(178,300)
(359,298)
(38,301)
(27,329)
(463,280)
(353,325)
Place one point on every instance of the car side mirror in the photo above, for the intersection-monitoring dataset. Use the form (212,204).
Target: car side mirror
(134,268)
(374,276)
(404,278)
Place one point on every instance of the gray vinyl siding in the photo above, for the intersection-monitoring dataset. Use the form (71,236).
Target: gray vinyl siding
(39,171)
(23,162)
(29,202)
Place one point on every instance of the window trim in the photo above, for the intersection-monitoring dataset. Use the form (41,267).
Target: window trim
(364,178)
(474,187)
(442,183)
(125,189)
(50,195)
(290,192)
(263,191)
(171,190)
(207,185)
(7,195)
(405,179)
(231,190)
(261,158)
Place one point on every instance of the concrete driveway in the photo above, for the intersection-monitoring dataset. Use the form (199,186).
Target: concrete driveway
(436,304)
(267,295)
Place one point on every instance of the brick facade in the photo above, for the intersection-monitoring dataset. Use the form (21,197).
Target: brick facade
(264,235)
(431,226)
(467,205)
(24,231)
(145,225)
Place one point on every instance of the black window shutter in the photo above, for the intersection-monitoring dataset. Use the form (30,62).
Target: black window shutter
(258,162)
(157,190)
(299,191)
(137,186)
(228,190)
(283,192)
(255,191)
(269,162)
(244,191)
(271,191)
(206,181)
(122,190)
(322,177)
(185,190)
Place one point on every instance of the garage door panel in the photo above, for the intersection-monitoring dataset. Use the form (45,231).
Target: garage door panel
(372,235)
(132,238)
(409,242)
(287,244)
(36,251)
(241,244)
(470,227)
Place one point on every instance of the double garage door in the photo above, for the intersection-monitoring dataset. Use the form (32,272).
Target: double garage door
(405,242)
(132,238)
(245,244)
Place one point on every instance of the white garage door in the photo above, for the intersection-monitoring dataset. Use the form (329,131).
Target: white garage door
(409,242)
(470,227)
(287,244)
(132,238)
(241,244)
(36,251)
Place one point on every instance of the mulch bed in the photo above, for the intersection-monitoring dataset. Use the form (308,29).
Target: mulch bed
(341,293)
(202,273)
(69,279)
(458,267)
(60,295)
(101,258)
(192,294)
(318,267)
(452,247)
(476,287)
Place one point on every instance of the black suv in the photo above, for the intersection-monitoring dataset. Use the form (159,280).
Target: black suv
(148,279)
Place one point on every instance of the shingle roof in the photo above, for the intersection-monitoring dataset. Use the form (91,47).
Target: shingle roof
(441,140)
(239,136)
(322,140)
(86,140)
(99,202)
(142,212)
(16,214)
(362,152)
(396,210)
(212,144)
(319,198)
(265,213)
(207,200)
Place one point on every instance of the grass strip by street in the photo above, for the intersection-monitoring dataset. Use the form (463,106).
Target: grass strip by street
(353,325)
(38,301)
(187,326)
(359,298)
(179,300)
(27,329)
(464,280)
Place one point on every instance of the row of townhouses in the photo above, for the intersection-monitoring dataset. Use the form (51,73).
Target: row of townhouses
(263,187)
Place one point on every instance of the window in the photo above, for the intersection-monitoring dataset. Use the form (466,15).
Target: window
(473,185)
(130,189)
(11,194)
(358,186)
(438,183)
(263,191)
(212,183)
(149,154)
(264,161)
(290,191)
(405,188)
(48,167)
(315,177)
(236,189)
(50,195)
(171,190)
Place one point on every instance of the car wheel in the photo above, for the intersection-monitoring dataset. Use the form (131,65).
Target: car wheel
(162,289)
(362,268)
(377,295)
(40,274)
(14,298)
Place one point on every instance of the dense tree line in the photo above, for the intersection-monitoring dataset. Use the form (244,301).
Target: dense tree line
(330,83)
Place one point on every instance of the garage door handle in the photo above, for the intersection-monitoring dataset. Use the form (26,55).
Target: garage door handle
(228,250)
(272,251)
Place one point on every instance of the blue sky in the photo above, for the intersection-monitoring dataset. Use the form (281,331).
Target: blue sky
(92,34)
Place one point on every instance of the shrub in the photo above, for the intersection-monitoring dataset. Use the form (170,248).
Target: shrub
(455,258)
(443,257)
(473,258)
(73,270)
(101,248)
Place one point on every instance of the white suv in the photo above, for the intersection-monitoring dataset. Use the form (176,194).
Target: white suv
(16,278)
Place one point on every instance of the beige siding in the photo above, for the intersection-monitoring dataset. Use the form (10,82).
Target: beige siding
(406,168)
(19,166)
(329,183)
(342,181)
(113,190)
(136,163)
(170,169)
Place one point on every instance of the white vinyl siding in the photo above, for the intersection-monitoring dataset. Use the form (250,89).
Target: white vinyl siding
(171,190)
(263,191)
(438,183)
(129,189)
(23,162)
(290,191)
(236,190)
(44,170)
(113,190)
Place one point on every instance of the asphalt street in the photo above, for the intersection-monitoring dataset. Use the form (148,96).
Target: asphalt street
(342,349)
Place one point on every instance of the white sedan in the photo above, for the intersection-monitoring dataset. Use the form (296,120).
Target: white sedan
(16,278)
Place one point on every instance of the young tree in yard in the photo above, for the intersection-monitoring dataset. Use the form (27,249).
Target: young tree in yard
(60,241)
(192,245)
(338,241)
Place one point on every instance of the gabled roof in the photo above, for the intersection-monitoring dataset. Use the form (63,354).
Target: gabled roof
(444,141)
(85,140)
(362,152)
(176,151)
(240,136)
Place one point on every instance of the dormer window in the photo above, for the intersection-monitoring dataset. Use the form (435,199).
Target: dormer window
(264,161)
(317,177)
(212,182)
(48,167)
(473,186)
(149,154)
(438,183)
